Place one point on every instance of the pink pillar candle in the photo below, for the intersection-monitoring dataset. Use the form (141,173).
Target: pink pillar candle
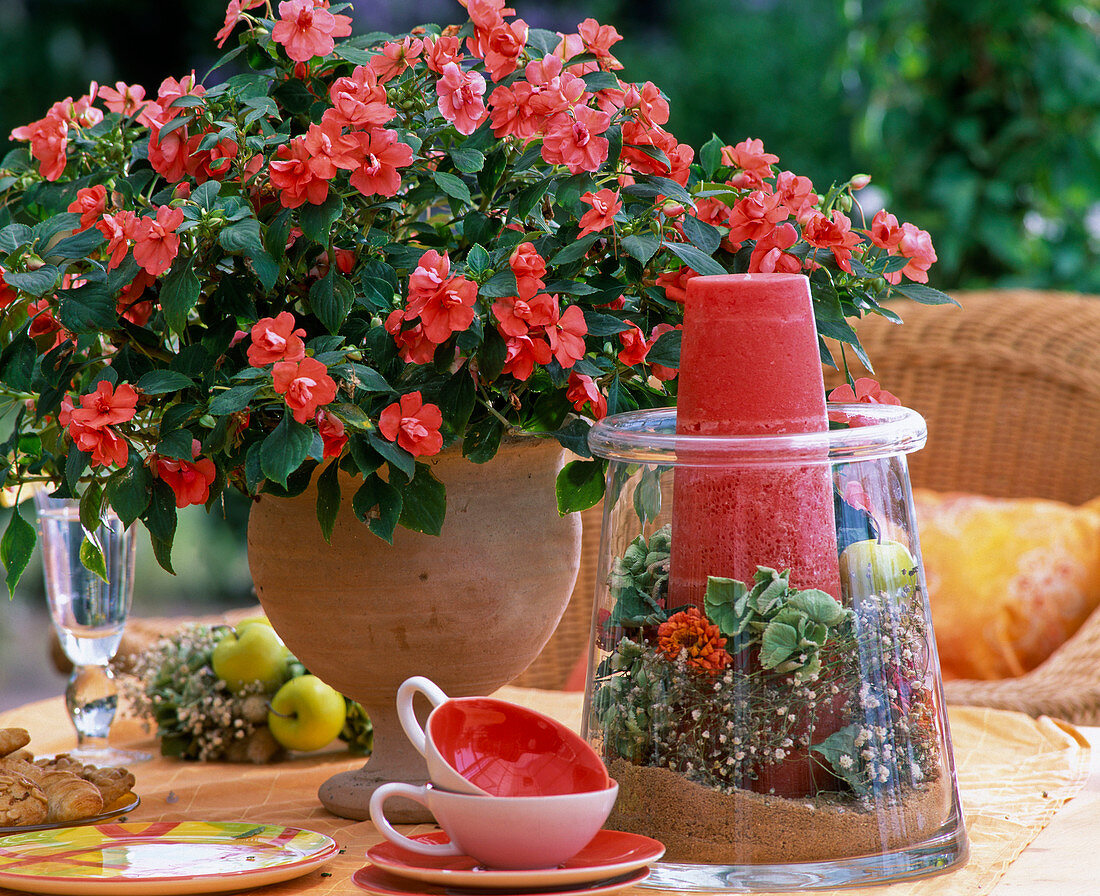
(750,365)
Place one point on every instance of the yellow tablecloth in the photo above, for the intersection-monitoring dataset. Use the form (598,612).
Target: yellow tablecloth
(1014,774)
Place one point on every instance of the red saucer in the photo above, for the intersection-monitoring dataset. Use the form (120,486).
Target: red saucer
(374,880)
(610,854)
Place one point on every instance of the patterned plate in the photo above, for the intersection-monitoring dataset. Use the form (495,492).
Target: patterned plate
(159,858)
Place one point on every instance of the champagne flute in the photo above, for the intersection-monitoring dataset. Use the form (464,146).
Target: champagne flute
(89,615)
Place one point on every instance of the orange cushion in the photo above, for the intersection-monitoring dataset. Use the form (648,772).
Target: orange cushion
(1009,580)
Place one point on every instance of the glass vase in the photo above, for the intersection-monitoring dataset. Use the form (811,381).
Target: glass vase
(763,680)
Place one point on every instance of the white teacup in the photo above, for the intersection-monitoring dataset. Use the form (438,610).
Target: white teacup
(500,831)
(491,747)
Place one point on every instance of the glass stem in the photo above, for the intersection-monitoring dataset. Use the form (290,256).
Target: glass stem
(92,700)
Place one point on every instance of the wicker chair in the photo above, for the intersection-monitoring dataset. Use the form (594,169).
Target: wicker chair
(1010,386)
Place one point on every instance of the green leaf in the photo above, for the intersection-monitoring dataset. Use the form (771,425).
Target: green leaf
(79,245)
(14,237)
(642,246)
(328,499)
(698,261)
(87,309)
(317,220)
(778,643)
(162,550)
(574,437)
(647,496)
(580,485)
(453,186)
(502,283)
(176,444)
(394,454)
(705,237)
(666,350)
(130,490)
(179,293)
(482,440)
(16,548)
(725,604)
(595,81)
(456,400)
(36,283)
(366,378)
(467,160)
(818,606)
(575,251)
(375,492)
(76,462)
(710,156)
(529,197)
(18,362)
(331,299)
(233,400)
(477,260)
(91,558)
(424,502)
(600,324)
(160,515)
(285,449)
(159,382)
(918,292)
(242,236)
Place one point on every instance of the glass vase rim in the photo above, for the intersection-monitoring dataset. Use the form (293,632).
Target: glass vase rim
(649,436)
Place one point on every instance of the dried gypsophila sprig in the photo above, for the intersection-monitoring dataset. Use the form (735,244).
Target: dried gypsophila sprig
(195,714)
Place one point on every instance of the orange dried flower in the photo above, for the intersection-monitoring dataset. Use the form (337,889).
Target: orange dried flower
(690,630)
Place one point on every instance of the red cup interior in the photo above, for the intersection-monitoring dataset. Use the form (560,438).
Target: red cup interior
(508,750)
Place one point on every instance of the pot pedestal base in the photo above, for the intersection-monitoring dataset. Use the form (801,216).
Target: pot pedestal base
(393,758)
(348,795)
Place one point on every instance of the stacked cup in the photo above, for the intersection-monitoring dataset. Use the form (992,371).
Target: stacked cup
(511,787)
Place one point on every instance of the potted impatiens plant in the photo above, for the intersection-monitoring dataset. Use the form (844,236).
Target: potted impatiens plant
(361,250)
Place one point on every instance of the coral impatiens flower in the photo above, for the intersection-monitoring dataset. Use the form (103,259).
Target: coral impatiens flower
(566,335)
(126,99)
(233,16)
(413,424)
(517,316)
(413,346)
(605,205)
(106,406)
(306,29)
(750,157)
(833,233)
(359,100)
(190,480)
(635,347)
(583,391)
(156,242)
(381,154)
(305,386)
(119,229)
(396,56)
(691,632)
(523,353)
(90,203)
(866,391)
(529,268)
(461,98)
(331,429)
(275,339)
(574,140)
(293,176)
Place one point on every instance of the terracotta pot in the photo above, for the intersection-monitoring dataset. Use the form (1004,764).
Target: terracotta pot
(470,609)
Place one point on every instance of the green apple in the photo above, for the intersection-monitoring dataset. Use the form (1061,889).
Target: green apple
(249,654)
(868,567)
(306,714)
